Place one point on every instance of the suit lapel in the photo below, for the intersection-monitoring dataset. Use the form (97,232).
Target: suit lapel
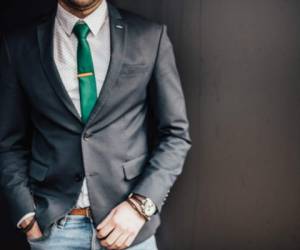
(45,39)
(118,30)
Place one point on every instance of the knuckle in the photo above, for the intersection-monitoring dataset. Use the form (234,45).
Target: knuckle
(100,233)
(115,220)
(123,228)
(117,247)
(103,243)
(109,243)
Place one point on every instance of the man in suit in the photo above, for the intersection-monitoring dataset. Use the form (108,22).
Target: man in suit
(76,164)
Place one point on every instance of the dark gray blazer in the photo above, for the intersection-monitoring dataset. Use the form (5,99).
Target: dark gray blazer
(45,149)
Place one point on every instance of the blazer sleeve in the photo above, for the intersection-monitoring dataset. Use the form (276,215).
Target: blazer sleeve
(14,138)
(172,126)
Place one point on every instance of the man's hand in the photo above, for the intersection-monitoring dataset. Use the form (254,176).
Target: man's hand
(34,232)
(119,229)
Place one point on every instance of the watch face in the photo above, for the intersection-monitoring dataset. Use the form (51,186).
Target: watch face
(149,207)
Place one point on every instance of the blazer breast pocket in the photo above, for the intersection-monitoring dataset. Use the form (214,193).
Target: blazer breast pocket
(133,69)
(134,167)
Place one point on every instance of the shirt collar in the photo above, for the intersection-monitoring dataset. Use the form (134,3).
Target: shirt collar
(95,20)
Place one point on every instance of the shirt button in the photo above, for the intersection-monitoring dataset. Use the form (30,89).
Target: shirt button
(78,177)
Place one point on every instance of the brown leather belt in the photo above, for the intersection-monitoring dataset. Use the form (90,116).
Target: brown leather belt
(81,211)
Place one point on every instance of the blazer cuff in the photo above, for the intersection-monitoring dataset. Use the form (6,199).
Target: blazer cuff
(20,201)
(25,217)
(152,189)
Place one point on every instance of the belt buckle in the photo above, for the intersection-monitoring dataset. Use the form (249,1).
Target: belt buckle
(88,212)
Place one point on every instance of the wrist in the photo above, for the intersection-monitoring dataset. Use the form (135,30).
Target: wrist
(27,224)
(145,205)
(136,206)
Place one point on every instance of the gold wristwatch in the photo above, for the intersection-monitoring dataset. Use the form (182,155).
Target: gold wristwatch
(146,206)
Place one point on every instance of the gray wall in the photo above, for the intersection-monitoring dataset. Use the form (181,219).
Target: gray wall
(240,66)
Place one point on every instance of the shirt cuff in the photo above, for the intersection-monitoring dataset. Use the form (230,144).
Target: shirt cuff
(24,217)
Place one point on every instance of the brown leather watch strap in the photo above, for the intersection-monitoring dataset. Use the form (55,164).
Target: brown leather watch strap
(29,226)
(137,198)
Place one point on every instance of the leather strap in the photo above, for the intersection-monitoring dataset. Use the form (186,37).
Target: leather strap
(81,211)
(133,204)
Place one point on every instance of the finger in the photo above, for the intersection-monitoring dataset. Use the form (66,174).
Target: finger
(106,230)
(106,220)
(37,226)
(120,242)
(129,240)
(112,237)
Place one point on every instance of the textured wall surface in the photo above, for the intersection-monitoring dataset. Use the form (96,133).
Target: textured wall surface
(240,67)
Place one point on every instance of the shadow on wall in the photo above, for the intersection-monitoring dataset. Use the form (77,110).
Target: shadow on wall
(15,14)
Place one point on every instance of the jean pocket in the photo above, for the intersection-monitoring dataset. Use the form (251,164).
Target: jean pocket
(44,237)
(39,239)
(60,223)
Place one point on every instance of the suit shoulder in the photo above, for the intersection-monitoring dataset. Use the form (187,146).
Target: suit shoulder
(140,22)
(19,37)
(26,34)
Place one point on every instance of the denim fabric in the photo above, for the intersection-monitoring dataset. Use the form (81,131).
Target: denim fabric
(76,232)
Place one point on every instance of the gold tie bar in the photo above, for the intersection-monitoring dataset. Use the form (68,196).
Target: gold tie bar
(85,74)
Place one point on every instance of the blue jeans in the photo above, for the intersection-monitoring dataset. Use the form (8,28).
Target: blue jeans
(76,232)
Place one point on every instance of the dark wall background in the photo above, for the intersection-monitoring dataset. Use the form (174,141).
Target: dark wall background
(240,66)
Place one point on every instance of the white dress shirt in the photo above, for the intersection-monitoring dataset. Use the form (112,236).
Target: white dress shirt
(65,57)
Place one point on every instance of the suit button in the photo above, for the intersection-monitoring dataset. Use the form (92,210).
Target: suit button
(86,136)
(78,177)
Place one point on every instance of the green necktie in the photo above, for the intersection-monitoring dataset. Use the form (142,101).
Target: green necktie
(86,76)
